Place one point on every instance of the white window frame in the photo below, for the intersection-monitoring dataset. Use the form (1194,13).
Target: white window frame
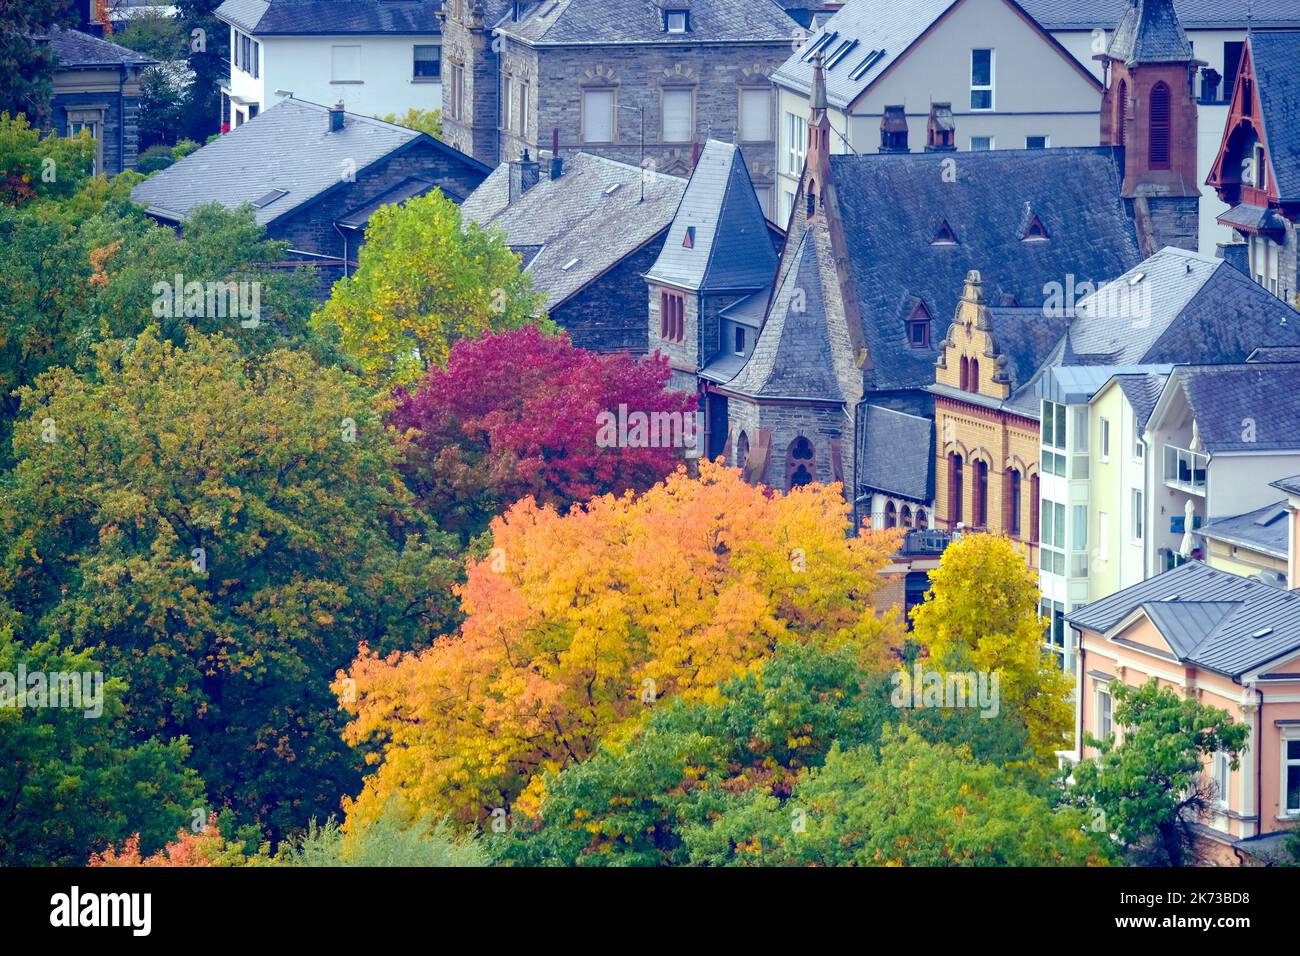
(1047,142)
(689,130)
(1103,451)
(797,146)
(335,50)
(991,141)
(1138,500)
(1106,711)
(1286,764)
(672,17)
(1221,776)
(992,84)
(612,93)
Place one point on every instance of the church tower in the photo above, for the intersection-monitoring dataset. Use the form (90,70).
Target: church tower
(1149,109)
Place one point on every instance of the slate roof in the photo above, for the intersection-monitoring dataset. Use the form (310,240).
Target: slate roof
(80,50)
(1077,384)
(332,17)
(1212,619)
(732,246)
(1179,307)
(1290,485)
(1246,216)
(793,357)
(1023,339)
(1149,32)
(592,214)
(1142,392)
(1193,14)
(408,188)
(1276,58)
(898,453)
(892,204)
(1223,396)
(1275,353)
(1264,529)
(288,147)
(574,22)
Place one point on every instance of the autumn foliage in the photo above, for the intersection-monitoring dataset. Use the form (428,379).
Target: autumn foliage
(575,624)
(515,414)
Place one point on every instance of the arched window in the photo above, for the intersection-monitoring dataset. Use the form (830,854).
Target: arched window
(800,467)
(811,198)
(980,500)
(922,521)
(955,490)
(963,377)
(1033,508)
(974,375)
(1159,120)
(891,515)
(1013,503)
(742,450)
(905,517)
(1121,111)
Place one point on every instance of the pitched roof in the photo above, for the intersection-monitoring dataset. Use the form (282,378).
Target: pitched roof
(897,455)
(1276,59)
(286,147)
(1290,485)
(731,246)
(1222,397)
(76,49)
(1275,353)
(571,22)
(1210,617)
(794,356)
(1193,14)
(890,204)
(1149,32)
(585,222)
(1264,529)
(332,17)
(1178,306)
(1142,392)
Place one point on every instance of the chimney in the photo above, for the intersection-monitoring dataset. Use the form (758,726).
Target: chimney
(557,164)
(941,130)
(893,130)
(336,117)
(1235,254)
(524,174)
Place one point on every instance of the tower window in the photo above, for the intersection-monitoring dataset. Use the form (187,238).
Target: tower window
(799,463)
(1159,139)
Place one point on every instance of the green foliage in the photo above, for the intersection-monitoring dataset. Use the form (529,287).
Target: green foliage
(153,34)
(1151,787)
(308,547)
(426,121)
(32,167)
(69,781)
(386,841)
(26,66)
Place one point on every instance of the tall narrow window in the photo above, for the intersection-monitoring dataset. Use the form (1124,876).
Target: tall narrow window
(742,450)
(1291,775)
(963,375)
(756,115)
(677,126)
(1033,508)
(980,502)
(905,517)
(974,375)
(891,515)
(981,79)
(1159,141)
(597,116)
(1121,111)
(955,490)
(1013,503)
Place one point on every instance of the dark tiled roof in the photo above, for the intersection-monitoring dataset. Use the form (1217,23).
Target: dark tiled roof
(1276,58)
(1290,485)
(1275,353)
(1180,307)
(332,17)
(898,454)
(558,22)
(890,205)
(408,188)
(1228,645)
(1193,14)
(1023,339)
(1142,392)
(1264,529)
(1149,32)
(287,147)
(589,219)
(732,247)
(1222,397)
(76,49)
(1247,216)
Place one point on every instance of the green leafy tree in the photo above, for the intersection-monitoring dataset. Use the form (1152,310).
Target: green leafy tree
(208,42)
(423,281)
(1149,789)
(388,840)
(226,531)
(34,167)
(74,779)
(26,67)
(426,121)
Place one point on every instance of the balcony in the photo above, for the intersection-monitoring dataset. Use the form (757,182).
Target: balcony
(1185,470)
(926,541)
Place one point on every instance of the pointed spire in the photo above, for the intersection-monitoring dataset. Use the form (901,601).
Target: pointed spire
(819,85)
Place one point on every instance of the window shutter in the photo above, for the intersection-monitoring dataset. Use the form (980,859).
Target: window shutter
(598,116)
(677,116)
(1160,126)
(755,116)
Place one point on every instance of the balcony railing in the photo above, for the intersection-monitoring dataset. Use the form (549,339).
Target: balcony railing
(927,541)
(1184,469)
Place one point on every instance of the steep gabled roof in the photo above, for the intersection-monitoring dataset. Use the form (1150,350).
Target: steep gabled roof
(332,17)
(573,22)
(79,50)
(585,222)
(889,204)
(1276,59)
(1193,14)
(1142,392)
(287,148)
(1223,397)
(1149,32)
(732,244)
(1226,623)
(897,455)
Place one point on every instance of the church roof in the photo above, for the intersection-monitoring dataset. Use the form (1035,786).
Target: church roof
(1149,32)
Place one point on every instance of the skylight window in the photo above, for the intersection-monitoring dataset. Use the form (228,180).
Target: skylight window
(1262,632)
(819,44)
(840,53)
(676,21)
(263,201)
(871,59)
(568,265)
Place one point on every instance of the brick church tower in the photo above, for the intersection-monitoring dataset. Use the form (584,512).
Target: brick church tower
(1149,109)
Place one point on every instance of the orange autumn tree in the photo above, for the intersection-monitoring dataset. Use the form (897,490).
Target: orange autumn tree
(576,624)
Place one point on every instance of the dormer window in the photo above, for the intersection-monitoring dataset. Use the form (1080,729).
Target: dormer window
(944,236)
(676,21)
(1034,232)
(918,327)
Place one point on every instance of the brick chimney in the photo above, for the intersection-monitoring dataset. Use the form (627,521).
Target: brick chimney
(893,130)
(337,117)
(941,129)
(524,173)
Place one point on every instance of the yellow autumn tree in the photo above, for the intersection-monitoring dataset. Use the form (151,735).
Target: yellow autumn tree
(981,613)
(577,624)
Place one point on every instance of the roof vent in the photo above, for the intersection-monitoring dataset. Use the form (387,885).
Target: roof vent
(1262,632)
(336,117)
(568,265)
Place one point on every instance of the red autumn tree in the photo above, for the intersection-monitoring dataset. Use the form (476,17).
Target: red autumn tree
(524,413)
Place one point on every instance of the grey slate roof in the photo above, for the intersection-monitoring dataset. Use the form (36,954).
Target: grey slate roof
(1264,529)
(1276,58)
(1246,216)
(77,50)
(732,247)
(793,356)
(892,204)
(1023,339)
(1212,619)
(592,214)
(332,17)
(287,147)
(1185,307)
(1149,32)
(1193,14)
(1290,485)
(1142,392)
(1223,396)
(568,22)
(1275,353)
(898,454)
